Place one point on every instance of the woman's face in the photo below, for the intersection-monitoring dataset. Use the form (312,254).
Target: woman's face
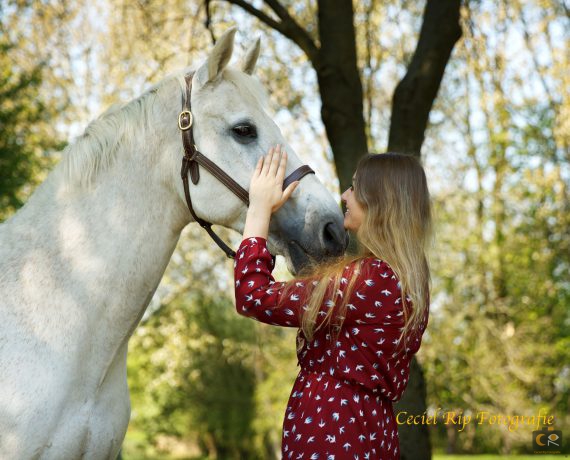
(354,215)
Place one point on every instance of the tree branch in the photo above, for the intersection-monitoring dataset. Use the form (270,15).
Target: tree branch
(287,26)
(208,22)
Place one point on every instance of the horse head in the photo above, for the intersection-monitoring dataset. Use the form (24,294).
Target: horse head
(232,128)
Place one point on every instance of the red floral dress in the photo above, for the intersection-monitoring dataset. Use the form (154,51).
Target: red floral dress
(341,403)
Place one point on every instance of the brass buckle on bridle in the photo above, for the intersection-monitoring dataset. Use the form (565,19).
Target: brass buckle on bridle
(185,120)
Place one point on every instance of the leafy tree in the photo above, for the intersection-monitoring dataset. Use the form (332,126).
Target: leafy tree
(498,339)
(193,372)
(26,134)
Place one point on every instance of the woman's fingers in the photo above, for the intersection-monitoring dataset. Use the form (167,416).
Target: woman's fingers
(289,190)
(267,161)
(258,168)
(286,195)
(282,166)
(274,161)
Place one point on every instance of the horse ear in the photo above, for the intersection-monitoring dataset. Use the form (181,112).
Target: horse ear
(251,56)
(218,58)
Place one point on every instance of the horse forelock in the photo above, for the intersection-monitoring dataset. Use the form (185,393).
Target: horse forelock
(249,87)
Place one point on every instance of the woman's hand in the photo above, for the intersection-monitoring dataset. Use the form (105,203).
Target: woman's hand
(266,187)
(266,194)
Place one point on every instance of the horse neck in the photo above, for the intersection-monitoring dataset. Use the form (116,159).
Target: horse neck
(108,246)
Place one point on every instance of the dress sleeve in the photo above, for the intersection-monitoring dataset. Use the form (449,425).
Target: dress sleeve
(257,293)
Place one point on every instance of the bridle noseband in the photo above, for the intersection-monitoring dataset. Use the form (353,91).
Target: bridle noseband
(192,160)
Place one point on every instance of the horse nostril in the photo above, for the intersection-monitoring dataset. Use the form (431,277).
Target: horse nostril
(334,238)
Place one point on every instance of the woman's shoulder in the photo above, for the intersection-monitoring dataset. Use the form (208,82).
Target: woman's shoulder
(376,265)
(376,270)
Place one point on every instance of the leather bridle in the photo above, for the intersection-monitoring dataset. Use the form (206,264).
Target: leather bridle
(193,159)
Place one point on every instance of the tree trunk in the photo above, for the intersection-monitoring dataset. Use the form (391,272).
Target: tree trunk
(340,87)
(414,439)
(418,89)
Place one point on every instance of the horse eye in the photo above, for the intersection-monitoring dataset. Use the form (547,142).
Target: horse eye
(245,132)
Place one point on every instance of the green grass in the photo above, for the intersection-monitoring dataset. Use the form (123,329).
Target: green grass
(493,457)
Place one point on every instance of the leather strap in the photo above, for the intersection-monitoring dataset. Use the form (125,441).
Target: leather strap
(192,159)
(296,175)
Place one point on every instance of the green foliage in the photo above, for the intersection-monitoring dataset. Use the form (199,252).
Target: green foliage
(196,373)
(25,134)
(499,332)
(190,371)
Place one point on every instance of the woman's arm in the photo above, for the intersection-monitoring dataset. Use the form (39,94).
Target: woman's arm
(257,293)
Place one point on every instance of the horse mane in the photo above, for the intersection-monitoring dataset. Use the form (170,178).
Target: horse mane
(123,124)
(119,126)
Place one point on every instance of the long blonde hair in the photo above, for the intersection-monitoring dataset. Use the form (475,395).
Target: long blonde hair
(392,189)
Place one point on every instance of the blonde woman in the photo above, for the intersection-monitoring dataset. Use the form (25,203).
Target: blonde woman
(360,318)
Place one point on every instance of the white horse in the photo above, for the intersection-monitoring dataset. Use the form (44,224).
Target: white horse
(81,260)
